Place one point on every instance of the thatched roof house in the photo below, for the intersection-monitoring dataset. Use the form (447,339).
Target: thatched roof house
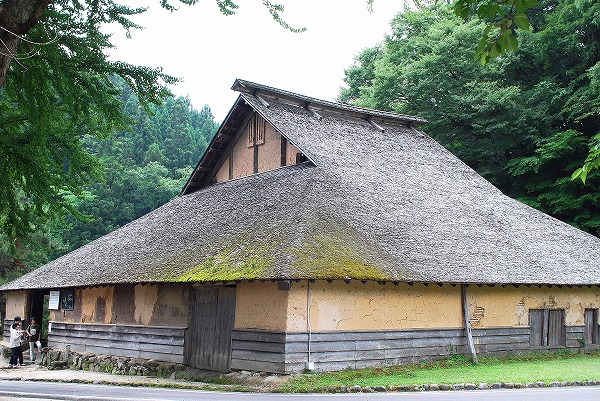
(295,188)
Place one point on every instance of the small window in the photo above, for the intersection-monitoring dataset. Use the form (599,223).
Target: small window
(591,326)
(66,300)
(256,131)
(547,327)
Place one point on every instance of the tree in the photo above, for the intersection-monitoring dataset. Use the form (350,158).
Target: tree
(55,91)
(523,121)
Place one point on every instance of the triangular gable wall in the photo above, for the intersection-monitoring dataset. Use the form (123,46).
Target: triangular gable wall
(257,147)
(229,155)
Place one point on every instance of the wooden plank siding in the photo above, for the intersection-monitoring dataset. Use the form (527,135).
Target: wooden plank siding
(287,352)
(148,342)
(6,329)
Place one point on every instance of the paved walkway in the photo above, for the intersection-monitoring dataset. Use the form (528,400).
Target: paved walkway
(35,372)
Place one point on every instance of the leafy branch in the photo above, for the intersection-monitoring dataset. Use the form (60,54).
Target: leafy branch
(502,17)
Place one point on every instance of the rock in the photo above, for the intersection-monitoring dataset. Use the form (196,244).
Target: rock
(434,387)
(483,386)
(470,386)
(152,363)
(58,364)
(554,384)
(355,389)
(497,385)
(444,387)
(379,388)
(508,385)
(459,386)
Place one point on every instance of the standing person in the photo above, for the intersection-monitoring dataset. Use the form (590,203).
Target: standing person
(33,330)
(15,345)
(17,320)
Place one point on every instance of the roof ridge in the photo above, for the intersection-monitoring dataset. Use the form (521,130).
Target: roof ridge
(258,90)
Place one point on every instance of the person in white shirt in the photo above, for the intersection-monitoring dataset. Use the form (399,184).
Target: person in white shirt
(16,336)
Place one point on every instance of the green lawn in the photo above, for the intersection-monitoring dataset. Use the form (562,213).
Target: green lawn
(517,369)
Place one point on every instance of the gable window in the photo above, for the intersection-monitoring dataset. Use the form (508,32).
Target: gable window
(591,326)
(547,327)
(256,131)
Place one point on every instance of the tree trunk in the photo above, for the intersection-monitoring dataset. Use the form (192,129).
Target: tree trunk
(17,17)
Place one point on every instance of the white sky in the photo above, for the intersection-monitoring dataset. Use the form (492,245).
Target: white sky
(208,50)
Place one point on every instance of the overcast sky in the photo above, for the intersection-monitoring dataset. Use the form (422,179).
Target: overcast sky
(208,50)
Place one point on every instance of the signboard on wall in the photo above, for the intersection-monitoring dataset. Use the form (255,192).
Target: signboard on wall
(54,300)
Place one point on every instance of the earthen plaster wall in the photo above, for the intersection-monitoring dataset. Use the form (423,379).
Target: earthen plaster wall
(290,154)
(223,173)
(153,305)
(243,157)
(260,305)
(509,306)
(371,306)
(269,153)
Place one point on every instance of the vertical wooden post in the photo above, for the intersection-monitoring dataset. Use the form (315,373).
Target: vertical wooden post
(231,164)
(283,151)
(465,308)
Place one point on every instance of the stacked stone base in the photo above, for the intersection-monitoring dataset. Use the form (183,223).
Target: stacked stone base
(55,358)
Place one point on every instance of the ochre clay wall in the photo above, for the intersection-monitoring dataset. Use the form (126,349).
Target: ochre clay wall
(153,305)
(260,306)
(243,157)
(371,306)
(16,304)
(290,154)
(223,173)
(269,155)
(509,306)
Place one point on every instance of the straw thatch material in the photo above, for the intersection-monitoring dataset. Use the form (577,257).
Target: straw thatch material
(389,205)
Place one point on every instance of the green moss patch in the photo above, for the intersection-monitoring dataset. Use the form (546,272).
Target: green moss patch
(242,259)
(336,255)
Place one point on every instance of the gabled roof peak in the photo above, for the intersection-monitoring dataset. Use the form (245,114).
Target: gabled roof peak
(263,92)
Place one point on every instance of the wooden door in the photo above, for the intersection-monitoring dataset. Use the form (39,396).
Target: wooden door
(591,326)
(213,316)
(556,327)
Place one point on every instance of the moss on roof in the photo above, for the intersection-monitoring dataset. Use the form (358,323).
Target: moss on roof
(389,205)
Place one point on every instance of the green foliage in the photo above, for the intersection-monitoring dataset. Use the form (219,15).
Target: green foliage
(54,99)
(58,93)
(524,122)
(145,165)
(138,178)
(584,107)
(561,366)
(502,19)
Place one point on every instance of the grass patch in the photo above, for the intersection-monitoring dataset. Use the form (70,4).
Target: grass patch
(560,366)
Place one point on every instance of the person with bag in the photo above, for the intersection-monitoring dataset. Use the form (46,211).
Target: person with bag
(33,332)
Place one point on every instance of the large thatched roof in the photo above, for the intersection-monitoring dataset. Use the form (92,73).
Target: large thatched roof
(386,204)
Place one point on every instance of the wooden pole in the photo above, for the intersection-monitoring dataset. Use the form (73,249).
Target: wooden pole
(465,308)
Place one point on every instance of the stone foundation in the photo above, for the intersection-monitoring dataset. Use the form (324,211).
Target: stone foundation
(56,358)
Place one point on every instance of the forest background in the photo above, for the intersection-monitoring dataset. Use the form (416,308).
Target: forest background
(525,121)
